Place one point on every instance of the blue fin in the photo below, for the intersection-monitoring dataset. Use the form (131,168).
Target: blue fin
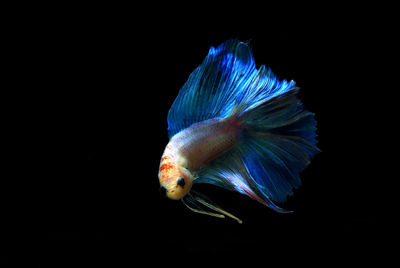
(277,143)
(278,138)
(229,172)
(227,79)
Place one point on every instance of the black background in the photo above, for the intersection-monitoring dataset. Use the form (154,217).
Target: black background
(103,82)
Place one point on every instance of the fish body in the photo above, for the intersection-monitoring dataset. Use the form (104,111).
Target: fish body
(237,127)
(194,147)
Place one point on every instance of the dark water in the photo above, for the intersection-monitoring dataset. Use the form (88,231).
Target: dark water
(104,86)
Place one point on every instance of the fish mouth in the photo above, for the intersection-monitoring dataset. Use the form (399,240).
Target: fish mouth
(175,195)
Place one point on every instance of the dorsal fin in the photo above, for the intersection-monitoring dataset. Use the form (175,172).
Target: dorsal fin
(212,88)
(227,79)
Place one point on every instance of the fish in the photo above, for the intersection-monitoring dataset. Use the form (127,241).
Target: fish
(237,127)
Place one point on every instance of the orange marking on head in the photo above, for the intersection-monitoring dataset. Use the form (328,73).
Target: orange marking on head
(166,166)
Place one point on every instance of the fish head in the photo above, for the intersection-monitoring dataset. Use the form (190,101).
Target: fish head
(175,181)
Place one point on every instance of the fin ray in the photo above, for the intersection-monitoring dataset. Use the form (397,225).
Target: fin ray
(279,141)
(269,156)
(229,172)
(212,87)
(226,79)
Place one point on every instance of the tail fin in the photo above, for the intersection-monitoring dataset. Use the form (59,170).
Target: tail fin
(278,142)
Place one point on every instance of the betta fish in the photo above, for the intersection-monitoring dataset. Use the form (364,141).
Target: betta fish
(237,127)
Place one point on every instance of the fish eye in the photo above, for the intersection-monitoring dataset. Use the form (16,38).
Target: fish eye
(181,182)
